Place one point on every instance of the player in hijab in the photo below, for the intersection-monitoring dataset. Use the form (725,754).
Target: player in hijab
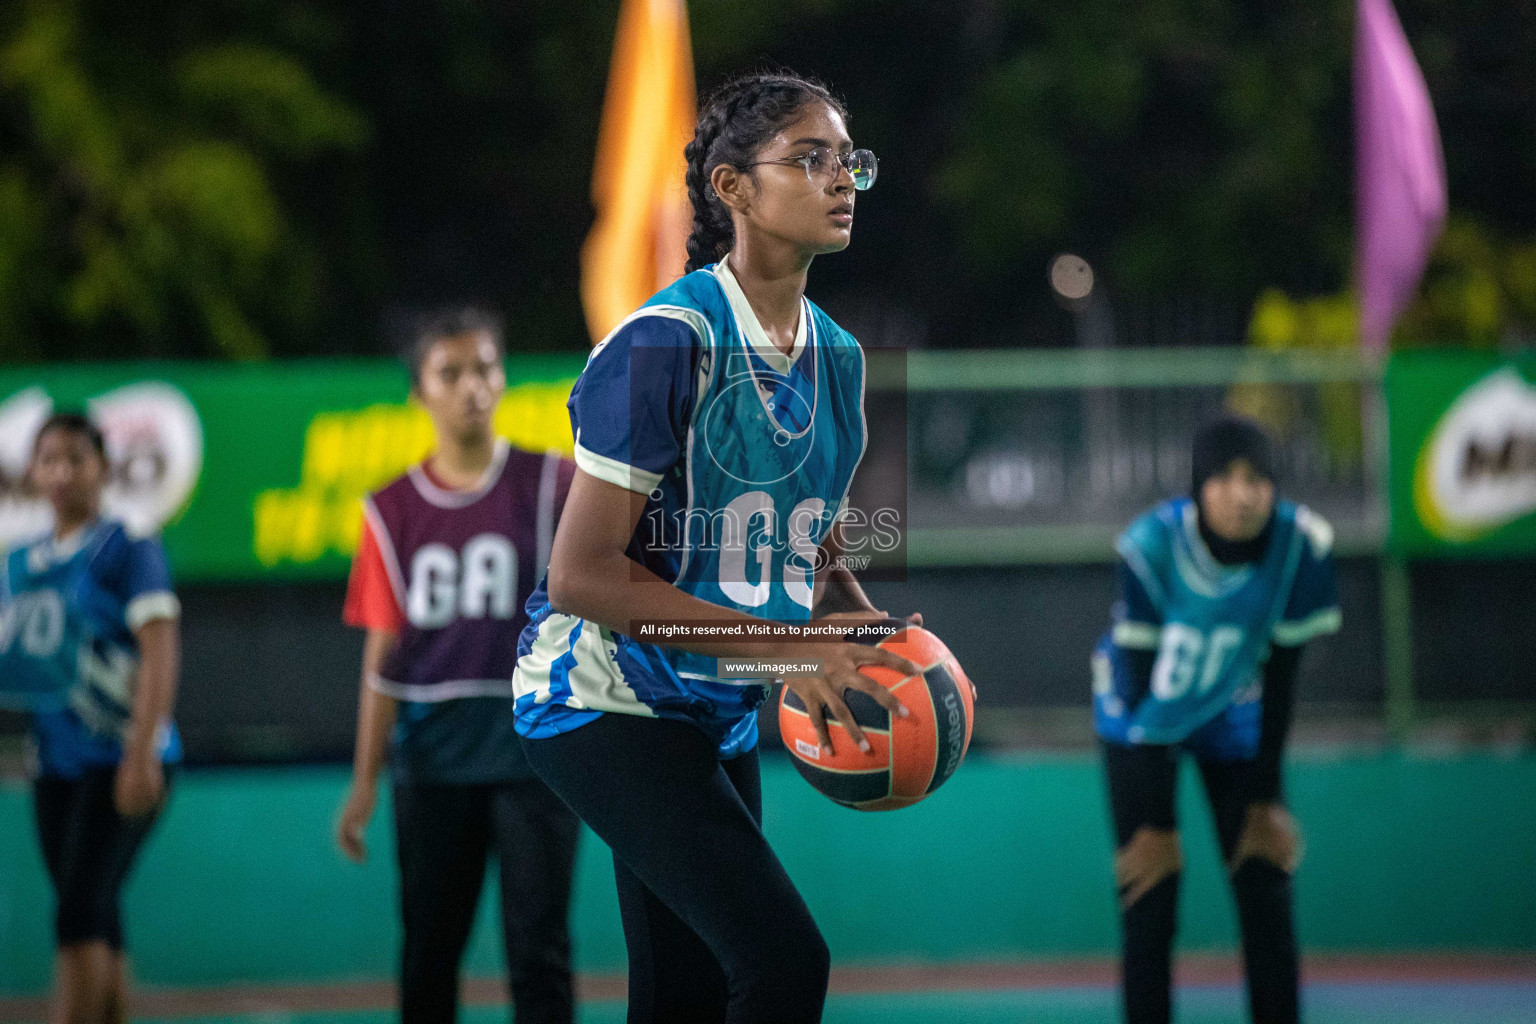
(1219,592)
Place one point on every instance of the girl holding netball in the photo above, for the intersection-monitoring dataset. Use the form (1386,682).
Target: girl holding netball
(1219,592)
(718,430)
(89,617)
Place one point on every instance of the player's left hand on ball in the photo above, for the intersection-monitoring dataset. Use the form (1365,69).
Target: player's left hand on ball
(139,785)
(841,661)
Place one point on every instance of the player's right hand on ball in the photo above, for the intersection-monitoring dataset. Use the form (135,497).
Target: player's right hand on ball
(356,812)
(841,661)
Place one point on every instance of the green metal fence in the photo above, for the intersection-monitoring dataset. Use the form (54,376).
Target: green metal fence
(1102,404)
(999,457)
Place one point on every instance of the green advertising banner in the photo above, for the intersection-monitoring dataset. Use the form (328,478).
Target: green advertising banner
(1462,428)
(253,471)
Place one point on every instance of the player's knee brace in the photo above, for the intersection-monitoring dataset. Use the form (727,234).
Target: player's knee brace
(1152,855)
(1269,834)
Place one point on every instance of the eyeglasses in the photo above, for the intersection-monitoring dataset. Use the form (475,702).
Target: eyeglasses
(821,165)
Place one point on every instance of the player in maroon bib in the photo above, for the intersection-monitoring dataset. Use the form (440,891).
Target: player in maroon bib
(461,563)
(448,555)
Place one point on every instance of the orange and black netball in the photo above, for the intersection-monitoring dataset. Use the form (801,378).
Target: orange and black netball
(909,757)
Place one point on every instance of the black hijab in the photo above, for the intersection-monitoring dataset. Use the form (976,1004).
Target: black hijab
(1216,445)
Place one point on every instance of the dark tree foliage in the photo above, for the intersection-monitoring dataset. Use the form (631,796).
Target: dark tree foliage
(252,178)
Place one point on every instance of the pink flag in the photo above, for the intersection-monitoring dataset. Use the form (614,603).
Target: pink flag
(1399,171)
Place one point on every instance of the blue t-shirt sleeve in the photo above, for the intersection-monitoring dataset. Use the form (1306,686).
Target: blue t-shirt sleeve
(631,405)
(1312,607)
(145,580)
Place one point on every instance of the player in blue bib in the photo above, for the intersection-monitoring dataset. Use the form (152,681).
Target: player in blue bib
(1218,594)
(745,473)
(88,644)
(718,430)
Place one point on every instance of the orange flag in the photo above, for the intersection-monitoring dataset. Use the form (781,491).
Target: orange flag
(638,244)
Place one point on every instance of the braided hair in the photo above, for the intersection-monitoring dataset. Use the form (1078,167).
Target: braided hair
(738,118)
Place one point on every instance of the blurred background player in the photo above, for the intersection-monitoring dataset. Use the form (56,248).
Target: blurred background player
(93,609)
(1219,592)
(448,555)
(717,434)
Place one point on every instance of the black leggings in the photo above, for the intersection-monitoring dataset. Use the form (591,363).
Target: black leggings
(715,929)
(1142,783)
(89,849)
(442,836)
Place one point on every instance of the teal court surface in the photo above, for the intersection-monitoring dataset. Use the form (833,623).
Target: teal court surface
(1487,1002)
(1376,990)
(1418,1003)
(244,913)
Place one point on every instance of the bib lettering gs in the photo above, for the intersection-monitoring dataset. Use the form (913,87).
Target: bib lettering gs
(746,454)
